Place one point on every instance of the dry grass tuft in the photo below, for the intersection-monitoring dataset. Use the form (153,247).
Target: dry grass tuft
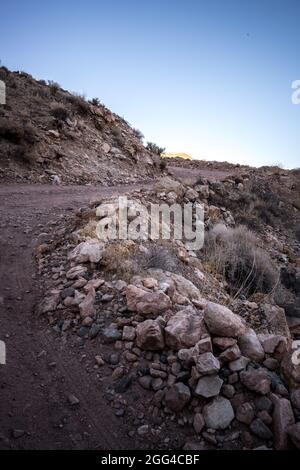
(236,255)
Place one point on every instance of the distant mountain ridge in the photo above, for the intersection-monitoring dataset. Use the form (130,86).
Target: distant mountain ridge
(185,156)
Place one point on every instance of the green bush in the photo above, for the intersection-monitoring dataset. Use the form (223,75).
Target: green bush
(155,148)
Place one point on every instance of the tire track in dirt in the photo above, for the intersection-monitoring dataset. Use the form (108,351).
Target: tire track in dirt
(34,411)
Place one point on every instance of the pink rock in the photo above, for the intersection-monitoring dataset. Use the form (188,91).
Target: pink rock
(223,322)
(184,329)
(147,302)
(250,346)
(149,335)
(283,418)
(86,307)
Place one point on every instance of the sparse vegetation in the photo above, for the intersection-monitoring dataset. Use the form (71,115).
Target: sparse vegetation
(119,260)
(54,87)
(126,261)
(118,137)
(154,148)
(61,113)
(95,101)
(158,257)
(24,153)
(17,133)
(21,135)
(79,103)
(162,164)
(138,134)
(235,254)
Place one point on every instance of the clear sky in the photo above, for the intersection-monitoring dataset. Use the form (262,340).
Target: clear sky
(211,78)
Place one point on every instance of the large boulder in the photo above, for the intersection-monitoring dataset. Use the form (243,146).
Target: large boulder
(223,322)
(90,250)
(149,335)
(146,302)
(218,414)
(184,329)
(250,346)
(177,396)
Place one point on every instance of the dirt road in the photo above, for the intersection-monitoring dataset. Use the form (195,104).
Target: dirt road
(41,372)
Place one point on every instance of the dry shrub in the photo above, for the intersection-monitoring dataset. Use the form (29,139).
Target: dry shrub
(119,259)
(138,134)
(235,254)
(79,103)
(61,113)
(157,256)
(95,102)
(23,136)
(17,133)
(118,137)
(24,154)
(89,229)
(126,260)
(54,87)
(162,164)
(154,148)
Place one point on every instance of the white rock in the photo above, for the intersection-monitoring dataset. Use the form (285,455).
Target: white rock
(90,250)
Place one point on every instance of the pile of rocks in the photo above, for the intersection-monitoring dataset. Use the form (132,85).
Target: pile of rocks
(196,361)
(203,364)
(210,361)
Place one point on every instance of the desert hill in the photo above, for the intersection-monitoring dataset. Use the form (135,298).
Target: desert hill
(48,133)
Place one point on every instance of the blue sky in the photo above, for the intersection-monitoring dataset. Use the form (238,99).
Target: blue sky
(210,78)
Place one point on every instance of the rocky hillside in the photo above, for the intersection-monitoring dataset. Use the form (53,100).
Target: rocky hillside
(193,349)
(48,134)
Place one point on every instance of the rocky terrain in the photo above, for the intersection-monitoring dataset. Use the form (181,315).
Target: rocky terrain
(141,344)
(48,134)
(188,355)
